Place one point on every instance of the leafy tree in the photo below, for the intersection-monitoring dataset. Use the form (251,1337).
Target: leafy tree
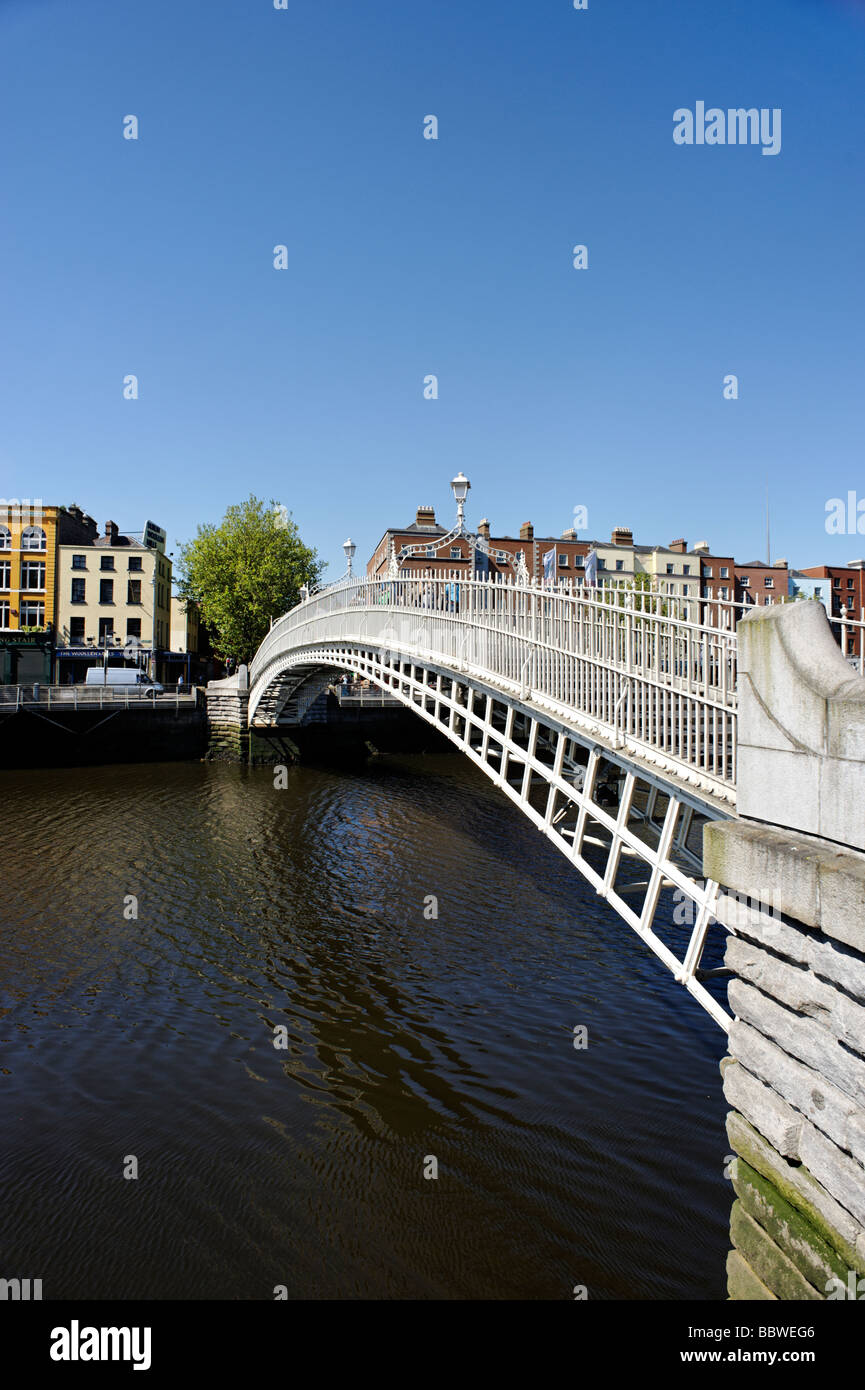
(244,572)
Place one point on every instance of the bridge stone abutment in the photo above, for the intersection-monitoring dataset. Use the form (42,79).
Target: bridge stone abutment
(792,896)
(228,718)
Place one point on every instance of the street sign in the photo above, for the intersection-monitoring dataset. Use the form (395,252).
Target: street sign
(154,537)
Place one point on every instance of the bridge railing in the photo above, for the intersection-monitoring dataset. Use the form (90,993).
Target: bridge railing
(649,668)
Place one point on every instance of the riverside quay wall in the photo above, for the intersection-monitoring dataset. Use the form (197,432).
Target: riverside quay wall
(795,1074)
(36,734)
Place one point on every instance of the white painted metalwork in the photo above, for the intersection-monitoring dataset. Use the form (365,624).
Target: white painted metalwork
(606,715)
(63,697)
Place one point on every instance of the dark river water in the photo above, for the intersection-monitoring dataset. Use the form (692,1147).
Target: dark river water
(408,1038)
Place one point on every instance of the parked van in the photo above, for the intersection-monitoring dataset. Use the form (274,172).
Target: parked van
(123,676)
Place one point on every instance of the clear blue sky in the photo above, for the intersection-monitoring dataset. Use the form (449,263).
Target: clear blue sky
(557,387)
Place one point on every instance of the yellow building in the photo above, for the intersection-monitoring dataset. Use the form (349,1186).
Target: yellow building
(114,601)
(28,589)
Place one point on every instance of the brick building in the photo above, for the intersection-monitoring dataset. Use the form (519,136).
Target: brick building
(848,597)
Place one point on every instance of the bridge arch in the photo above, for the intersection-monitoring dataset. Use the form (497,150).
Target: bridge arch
(487,666)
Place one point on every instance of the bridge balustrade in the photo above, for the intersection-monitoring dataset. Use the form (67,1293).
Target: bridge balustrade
(636,663)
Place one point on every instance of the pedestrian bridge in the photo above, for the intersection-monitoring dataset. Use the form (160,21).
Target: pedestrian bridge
(606,715)
(708,779)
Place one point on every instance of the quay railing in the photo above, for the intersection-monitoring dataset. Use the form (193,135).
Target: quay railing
(38,697)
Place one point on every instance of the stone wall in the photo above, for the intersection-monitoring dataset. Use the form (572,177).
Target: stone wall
(795,1074)
(228,718)
(792,873)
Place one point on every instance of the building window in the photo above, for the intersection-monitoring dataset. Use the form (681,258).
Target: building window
(456,553)
(769,583)
(686,569)
(707,571)
(133,591)
(133,627)
(430,552)
(563,562)
(32,613)
(5,538)
(106,629)
(33,574)
(767,599)
(745,581)
(106,562)
(849,583)
(602,564)
(836,583)
(135,562)
(76,629)
(724,572)
(33,538)
(724,591)
(671,569)
(106,591)
(501,557)
(5,574)
(4,613)
(79,562)
(620,564)
(79,587)
(705,591)
(580,561)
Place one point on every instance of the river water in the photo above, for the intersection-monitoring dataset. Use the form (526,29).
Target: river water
(410,1037)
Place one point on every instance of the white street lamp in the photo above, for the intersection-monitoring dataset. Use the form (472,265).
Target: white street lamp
(349,547)
(460,485)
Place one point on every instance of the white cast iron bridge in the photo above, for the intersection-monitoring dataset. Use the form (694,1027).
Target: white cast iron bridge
(606,715)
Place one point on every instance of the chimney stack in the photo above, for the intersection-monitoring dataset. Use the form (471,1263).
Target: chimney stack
(111,532)
(680,546)
(622,535)
(527,531)
(425,516)
(484,529)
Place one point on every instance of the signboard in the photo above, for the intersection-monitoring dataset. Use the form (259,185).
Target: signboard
(154,537)
(98,653)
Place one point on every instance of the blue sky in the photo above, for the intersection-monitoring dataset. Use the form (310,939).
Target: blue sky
(557,387)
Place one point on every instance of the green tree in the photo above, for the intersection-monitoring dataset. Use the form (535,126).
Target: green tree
(244,572)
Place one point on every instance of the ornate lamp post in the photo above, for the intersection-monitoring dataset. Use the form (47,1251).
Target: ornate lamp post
(349,547)
(460,485)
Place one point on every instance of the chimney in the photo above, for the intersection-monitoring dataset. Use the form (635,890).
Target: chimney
(779,564)
(622,535)
(569,535)
(111,532)
(527,531)
(425,516)
(680,546)
(484,529)
(701,547)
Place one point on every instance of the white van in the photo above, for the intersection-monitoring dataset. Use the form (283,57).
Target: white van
(123,676)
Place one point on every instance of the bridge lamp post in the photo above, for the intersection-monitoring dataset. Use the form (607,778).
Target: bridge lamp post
(349,547)
(460,485)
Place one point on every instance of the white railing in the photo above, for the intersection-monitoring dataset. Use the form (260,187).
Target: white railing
(64,697)
(362,699)
(641,667)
